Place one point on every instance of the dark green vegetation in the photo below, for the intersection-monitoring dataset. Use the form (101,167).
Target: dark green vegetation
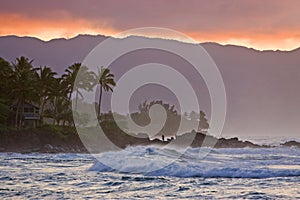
(35,105)
(38,95)
(173,118)
(30,93)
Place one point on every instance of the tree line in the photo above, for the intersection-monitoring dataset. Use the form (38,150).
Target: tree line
(173,118)
(22,83)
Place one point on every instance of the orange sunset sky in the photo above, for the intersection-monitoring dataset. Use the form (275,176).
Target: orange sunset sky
(268,24)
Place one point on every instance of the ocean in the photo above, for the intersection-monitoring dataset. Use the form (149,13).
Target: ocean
(150,172)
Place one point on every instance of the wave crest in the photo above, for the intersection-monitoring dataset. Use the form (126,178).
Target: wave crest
(225,163)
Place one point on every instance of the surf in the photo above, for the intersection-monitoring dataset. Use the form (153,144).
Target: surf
(224,163)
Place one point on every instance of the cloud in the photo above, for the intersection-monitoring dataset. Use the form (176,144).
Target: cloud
(13,24)
(260,24)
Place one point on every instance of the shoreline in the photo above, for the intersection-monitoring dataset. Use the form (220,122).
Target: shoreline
(66,140)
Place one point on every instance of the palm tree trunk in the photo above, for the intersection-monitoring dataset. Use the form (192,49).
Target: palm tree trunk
(76,99)
(22,114)
(42,105)
(99,104)
(55,111)
(70,94)
(17,114)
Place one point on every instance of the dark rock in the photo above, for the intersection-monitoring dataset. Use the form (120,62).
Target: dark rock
(47,141)
(291,144)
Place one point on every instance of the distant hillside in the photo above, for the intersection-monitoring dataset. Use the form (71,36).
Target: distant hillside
(56,53)
(262,86)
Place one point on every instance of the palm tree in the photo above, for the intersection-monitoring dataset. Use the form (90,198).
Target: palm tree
(203,125)
(5,84)
(23,86)
(84,80)
(106,82)
(46,78)
(59,101)
(69,78)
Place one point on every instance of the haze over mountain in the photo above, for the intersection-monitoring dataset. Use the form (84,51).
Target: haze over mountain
(262,86)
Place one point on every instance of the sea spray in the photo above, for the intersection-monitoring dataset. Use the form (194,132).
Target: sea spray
(226,163)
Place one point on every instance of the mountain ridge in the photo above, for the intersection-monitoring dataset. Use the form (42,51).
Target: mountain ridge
(105,36)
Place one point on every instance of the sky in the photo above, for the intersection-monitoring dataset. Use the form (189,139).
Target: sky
(263,25)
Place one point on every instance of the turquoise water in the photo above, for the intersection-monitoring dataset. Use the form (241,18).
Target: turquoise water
(223,174)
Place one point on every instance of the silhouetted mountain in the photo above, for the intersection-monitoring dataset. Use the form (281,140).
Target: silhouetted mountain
(56,53)
(262,86)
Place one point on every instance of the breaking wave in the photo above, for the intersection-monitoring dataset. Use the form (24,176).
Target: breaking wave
(225,163)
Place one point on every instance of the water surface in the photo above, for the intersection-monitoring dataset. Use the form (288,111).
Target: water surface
(225,173)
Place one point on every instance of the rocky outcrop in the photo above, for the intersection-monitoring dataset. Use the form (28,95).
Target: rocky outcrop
(41,140)
(67,140)
(291,144)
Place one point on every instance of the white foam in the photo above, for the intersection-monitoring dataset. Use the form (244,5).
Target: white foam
(237,162)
